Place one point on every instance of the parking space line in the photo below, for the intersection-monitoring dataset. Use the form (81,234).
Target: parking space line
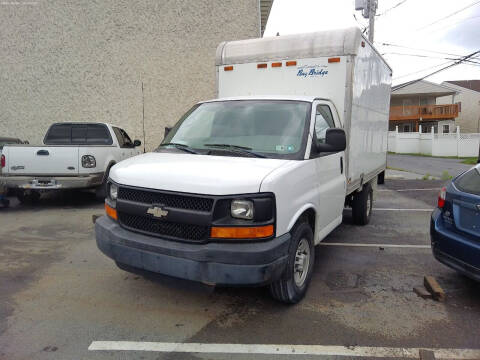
(292,350)
(403,190)
(378,245)
(391,209)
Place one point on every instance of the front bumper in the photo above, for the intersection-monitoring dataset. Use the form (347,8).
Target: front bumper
(255,263)
(52,182)
(453,250)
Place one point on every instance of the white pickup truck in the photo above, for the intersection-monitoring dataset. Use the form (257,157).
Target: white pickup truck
(244,186)
(74,156)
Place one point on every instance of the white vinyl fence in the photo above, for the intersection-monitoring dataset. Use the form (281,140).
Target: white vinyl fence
(453,144)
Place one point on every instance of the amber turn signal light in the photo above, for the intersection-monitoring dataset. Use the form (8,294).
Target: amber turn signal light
(242,232)
(261,66)
(111,212)
(291,63)
(334,60)
(228,68)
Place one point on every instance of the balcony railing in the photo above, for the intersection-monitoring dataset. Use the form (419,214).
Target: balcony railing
(424,112)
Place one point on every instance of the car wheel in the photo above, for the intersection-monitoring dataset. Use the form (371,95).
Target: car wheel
(293,285)
(101,191)
(28,196)
(362,205)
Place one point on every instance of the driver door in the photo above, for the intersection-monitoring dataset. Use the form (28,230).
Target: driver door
(330,169)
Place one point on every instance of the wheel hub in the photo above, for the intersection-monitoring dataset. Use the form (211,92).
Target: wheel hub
(302,262)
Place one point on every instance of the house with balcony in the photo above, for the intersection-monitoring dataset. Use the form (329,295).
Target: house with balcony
(468,98)
(414,106)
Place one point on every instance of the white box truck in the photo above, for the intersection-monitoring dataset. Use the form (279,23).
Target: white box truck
(244,186)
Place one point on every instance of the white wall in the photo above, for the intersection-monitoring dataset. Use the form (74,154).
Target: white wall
(469,117)
(453,144)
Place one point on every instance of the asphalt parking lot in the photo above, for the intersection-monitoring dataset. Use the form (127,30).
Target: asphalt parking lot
(59,294)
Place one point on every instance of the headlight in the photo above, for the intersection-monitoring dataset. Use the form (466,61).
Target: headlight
(113,191)
(242,209)
(88,161)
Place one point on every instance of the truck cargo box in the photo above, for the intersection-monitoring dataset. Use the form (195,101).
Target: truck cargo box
(338,65)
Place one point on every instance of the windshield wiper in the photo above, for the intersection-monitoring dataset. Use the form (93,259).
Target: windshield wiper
(181,147)
(237,148)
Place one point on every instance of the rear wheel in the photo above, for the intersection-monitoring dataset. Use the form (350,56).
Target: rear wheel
(362,205)
(381,178)
(293,285)
(27,196)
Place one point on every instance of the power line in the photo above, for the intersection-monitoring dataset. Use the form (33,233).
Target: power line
(422,70)
(423,50)
(430,57)
(449,15)
(463,59)
(393,7)
(449,25)
(359,23)
(418,55)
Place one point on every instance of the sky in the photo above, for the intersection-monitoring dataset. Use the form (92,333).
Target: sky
(427,33)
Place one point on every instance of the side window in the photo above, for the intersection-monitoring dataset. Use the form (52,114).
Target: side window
(119,136)
(98,135)
(59,134)
(323,122)
(126,139)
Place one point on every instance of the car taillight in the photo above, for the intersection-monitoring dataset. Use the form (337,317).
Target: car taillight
(441,197)
(2,161)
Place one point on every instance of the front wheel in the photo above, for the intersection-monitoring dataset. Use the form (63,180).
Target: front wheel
(293,285)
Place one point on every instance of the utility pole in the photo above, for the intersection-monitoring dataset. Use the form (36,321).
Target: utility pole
(369,9)
(372,9)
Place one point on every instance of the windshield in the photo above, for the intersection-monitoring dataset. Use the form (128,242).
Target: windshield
(276,129)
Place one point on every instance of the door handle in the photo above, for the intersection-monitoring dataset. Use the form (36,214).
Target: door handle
(43,152)
(341,164)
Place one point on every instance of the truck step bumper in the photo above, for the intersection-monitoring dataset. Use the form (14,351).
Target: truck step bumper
(52,182)
(211,263)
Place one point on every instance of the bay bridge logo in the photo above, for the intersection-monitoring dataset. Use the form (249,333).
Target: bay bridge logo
(312,70)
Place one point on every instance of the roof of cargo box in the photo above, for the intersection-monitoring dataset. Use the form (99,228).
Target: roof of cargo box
(298,46)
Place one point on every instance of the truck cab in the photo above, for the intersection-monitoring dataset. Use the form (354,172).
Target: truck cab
(243,187)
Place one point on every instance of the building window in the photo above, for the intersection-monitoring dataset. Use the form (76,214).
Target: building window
(446,129)
(406,128)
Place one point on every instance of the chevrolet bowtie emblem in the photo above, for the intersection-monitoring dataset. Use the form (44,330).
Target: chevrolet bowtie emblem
(157,212)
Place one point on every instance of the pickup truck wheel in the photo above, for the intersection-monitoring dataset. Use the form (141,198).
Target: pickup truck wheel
(362,205)
(293,285)
(27,196)
(101,191)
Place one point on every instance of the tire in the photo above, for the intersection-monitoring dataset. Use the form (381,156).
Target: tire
(101,191)
(381,178)
(362,205)
(28,196)
(293,285)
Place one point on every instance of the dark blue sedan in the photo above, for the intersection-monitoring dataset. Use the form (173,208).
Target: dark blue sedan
(455,224)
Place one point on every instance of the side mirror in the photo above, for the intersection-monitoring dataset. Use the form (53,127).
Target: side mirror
(167,130)
(335,141)
(137,143)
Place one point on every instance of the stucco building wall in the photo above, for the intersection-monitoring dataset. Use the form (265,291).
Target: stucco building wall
(86,61)
(469,117)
